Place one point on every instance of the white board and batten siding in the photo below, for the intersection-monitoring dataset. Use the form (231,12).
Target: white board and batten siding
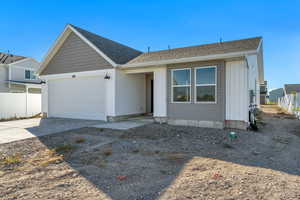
(237,97)
(19,105)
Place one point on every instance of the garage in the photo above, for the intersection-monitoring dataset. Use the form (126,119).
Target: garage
(77,98)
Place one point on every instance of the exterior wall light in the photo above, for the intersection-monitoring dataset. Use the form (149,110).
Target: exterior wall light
(107,77)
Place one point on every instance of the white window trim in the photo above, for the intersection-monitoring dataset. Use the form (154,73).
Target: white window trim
(215,84)
(31,71)
(172,86)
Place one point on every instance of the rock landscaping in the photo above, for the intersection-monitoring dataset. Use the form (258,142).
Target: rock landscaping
(155,162)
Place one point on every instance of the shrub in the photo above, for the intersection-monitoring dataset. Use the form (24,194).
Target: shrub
(11,160)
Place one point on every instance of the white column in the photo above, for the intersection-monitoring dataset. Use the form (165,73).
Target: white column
(160,92)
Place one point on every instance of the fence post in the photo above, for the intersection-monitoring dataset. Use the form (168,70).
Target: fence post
(26,100)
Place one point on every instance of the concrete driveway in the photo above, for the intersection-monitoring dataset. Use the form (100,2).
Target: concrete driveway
(21,129)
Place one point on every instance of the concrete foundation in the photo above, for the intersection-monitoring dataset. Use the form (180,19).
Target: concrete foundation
(196,123)
(236,124)
(161,120)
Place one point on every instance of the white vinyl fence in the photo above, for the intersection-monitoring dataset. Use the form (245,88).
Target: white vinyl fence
(291,103)
(19,105)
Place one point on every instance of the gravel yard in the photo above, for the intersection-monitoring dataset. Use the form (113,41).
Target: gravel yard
(157,162)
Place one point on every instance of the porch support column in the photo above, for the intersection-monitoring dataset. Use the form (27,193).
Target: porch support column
(160,93)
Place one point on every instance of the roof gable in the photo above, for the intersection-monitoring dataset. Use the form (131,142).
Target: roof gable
(117,52)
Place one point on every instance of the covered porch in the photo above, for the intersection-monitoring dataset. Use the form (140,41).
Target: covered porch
(155,90)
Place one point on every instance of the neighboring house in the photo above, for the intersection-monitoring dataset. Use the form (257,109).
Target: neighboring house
(275,94)
(291,89)
(17,74)
(90,77)
(263,92)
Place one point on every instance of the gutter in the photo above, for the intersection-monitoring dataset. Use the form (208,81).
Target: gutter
(190,59)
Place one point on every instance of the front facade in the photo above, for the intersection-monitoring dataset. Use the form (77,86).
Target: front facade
(90,77)
(18,74)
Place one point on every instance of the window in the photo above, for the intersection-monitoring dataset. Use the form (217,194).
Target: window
(206,78)
(29,75)
(181,85)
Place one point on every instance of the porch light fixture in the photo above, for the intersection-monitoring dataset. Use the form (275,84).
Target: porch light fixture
(107,77)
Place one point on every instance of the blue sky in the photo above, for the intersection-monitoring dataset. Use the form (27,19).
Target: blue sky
(29,28)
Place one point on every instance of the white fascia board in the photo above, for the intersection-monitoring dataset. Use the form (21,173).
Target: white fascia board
(23,60)
(191,59)
(93,46)
(20,67)
(51,52)
(77,74)
(60,40)
(259,45)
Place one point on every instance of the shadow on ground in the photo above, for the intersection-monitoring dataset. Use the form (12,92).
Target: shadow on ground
(161,162)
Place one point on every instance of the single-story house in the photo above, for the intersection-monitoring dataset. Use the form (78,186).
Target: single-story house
(90,77)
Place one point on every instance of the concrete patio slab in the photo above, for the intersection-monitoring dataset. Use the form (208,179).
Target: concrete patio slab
(123,125)
(22,129)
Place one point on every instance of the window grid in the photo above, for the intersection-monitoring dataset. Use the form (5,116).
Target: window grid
(173,86)
(196,85)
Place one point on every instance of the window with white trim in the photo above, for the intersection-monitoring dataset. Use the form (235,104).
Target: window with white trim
(30,75)
(181,85)
(206,84)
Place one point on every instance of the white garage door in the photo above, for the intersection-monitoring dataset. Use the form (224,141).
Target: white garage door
(77,98)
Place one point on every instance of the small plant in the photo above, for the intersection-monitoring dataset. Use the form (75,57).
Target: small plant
(55,159)
(80,140)
(102,163)
(107,152)
(135,151)
(65,148)
(175,156)
(11,160)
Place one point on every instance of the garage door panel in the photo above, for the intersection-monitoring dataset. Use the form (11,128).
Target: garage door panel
(82,98)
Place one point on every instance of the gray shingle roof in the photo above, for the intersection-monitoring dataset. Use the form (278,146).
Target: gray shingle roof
(6,58)
(201,50)
(290,88)
(117,52)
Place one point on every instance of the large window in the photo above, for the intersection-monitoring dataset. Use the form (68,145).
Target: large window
(206,84)
(29,75)
(181,85)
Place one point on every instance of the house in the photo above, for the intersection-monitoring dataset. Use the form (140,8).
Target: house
(263,92)
(291,89)
(90,77)
(291,99)
(17,74)
(275,94)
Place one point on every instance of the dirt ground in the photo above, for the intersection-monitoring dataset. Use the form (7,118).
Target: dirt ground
(157,162)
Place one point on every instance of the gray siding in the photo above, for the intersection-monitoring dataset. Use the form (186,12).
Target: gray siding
(3,78)
(199,111)
(75,56)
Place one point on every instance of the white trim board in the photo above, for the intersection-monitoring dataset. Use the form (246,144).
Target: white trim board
(59,42)
(190,59)
(77,74)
